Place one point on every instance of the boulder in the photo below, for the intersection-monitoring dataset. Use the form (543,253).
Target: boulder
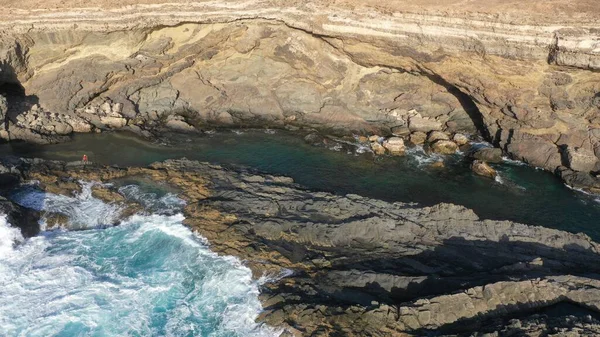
(113,122)
(377,148)
(416,123)
(483,169)
(581,159)
(488,154)
(395,146)
(178,123)
(444,147)
(400,131)
(460,139)
(373,138)
(418,137)
(434,136)
(62,128)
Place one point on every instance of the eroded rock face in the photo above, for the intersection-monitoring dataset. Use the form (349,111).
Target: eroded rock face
(525,80)
(367,267)
(581,159)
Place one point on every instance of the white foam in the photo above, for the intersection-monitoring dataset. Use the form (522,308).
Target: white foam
(151,276)
(507,160)
(169,203)
(9,236)
(422,158)
(83,210)
(499,179)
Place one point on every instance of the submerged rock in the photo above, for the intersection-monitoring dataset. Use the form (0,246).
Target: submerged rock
(438,164)
(483,169)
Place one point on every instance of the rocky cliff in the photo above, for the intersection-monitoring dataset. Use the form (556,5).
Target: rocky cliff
(524,75)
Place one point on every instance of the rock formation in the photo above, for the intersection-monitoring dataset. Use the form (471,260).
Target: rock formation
(355,266)
(483,169)
(523,75)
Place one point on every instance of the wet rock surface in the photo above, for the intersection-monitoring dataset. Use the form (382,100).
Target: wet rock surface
(483,169)
(363,267)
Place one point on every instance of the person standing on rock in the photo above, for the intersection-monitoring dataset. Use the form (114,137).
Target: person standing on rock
(84,160)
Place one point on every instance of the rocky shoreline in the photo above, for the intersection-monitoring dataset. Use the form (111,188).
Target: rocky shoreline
(354,266)
(524,80)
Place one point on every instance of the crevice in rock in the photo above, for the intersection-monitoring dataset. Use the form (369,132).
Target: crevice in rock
(553,50)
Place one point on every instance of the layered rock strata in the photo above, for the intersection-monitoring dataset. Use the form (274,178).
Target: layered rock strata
(524,74)
(354,266)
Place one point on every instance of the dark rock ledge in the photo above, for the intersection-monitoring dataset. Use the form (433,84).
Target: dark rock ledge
(365,267)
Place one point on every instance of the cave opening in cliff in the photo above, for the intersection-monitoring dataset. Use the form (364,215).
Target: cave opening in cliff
(17,99)
(12,90)
(467,103)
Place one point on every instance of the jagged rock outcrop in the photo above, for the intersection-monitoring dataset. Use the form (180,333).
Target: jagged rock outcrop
(526,79)
(357,266)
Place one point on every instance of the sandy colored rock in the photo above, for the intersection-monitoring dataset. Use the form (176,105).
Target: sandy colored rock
(434,136)
(518,73)
(581,159)
(394,146)
(423,124)
(418,138)
(483,169)
(377,148)
(444,147)
(460,139)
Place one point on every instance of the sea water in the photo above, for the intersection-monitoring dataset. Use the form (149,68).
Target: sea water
(521,193)
(149,276)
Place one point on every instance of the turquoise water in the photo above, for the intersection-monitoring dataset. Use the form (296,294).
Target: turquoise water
(523,194)
(150,276)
